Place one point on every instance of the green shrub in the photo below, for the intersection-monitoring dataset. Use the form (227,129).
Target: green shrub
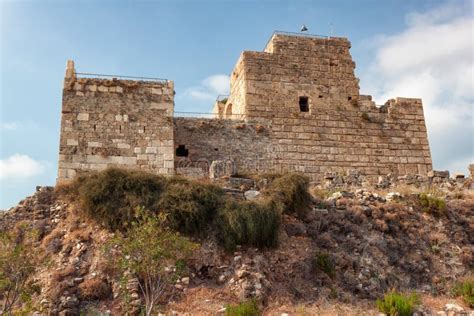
(365,116)
(114,197)
(248,308)
(111,197)
(248,223)
(190,206)
(145,250)
(323,262)
(292,191)
(398,304)
(432,204)
(466,290)
(18,261)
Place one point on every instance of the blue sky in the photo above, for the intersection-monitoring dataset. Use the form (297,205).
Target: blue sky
(402,48)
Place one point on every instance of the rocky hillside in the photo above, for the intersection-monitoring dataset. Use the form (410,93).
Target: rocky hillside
(347,249)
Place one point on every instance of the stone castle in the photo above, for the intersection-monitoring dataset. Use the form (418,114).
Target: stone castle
(293,107)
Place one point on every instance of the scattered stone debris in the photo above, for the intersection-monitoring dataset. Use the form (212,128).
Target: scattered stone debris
(352,245)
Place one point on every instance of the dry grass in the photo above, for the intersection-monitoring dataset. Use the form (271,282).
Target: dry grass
(53,243)
(111,197)
(249,223)
(82,235)
(190,206)
(292,191)
(59,288)
(322,194)
(60,275)
(94,289)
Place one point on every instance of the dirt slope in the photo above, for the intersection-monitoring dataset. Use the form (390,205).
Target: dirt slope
(350,249)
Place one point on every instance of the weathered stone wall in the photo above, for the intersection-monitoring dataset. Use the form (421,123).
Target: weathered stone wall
(235,107)
(247,145)
(293,107)
(341,130)
(115,123)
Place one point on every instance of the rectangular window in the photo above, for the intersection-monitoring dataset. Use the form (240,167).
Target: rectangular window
(182,151)
(304,104)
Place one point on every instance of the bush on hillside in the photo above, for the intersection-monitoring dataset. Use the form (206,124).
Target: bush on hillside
(145,251)
(248,223)
(398,304)
(323,262)
(17,263)
(465,289)
(292,191)
(94,290)
(248,308)
(432,204)
(111,197)
(190,206)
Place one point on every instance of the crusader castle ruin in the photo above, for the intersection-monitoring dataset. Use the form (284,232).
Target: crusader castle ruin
(293,107)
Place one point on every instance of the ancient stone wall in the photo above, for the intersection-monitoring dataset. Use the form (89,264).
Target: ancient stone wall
(115,123)
(235,107)
(246,145)
(306,90)
(295,106)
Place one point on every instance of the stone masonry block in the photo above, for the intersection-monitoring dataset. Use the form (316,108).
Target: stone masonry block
(123,146)
(83,116)
(72,142)
(151,150)
(94,144)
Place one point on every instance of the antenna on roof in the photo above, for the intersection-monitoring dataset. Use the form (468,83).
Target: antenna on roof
(304,28)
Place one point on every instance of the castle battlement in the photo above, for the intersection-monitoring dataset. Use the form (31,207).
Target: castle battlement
(296,106)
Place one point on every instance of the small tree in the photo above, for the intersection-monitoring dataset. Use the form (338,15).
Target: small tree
(145,249)
(16,266)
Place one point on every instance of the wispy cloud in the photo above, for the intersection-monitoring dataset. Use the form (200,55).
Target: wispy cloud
(9,126)
(209,88)
(433,59)
(20,166)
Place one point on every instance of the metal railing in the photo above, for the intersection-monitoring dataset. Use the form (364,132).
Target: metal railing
(103,76)
(295,34)
(208,115)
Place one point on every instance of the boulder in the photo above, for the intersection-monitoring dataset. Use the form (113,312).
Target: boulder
(393,196)
(251,194)
(222,168)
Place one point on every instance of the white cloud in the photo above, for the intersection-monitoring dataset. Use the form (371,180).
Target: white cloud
(210,88)
(9,126)
(20,166)
(433,59)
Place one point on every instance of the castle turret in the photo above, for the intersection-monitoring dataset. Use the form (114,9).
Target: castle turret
(115,121)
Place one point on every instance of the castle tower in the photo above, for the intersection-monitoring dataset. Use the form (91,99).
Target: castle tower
(305,89)
(110,121)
